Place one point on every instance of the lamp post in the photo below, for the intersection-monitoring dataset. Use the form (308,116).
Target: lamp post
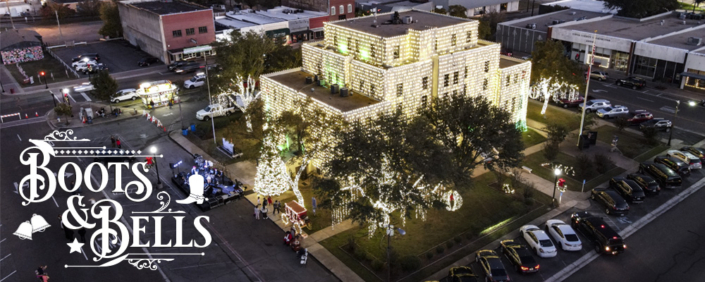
(153,150)
(52,97)
(43,75)
(390,233)
(670,134)
(556,172)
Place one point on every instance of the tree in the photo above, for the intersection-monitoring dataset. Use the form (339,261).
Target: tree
(483,30)
(553,72)
(557,132)
(271,178)
(641,8)
(621,123)
(458,11)
(491,20)
(110,15)
(550,150)
(64,110)
(696,3)
(440,11)
(105,86)
(50,9)
(88,7)
(242,94)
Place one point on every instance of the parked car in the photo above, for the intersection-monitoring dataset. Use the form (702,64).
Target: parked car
(607,241)
(613,112)
(491,265)
(633,82)
(519,256)
(89,56)
(190,67)
(628,189)
(124,95)
(599,75)
(698,152)
(675,164)
(666,177)
(173,66)
(567,103)
(461,274)
(93,68)
(83,63)
(693,161)
(197,81)
(86,86)
(658,123)
(538,241)
(564,235)
(594,105)
(647,183)
(146,61)
(614,203)
(639,117)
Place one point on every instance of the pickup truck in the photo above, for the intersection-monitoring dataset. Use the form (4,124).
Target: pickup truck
(213,111)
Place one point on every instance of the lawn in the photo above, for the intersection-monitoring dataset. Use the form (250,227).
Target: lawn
(531,138)
(630,144)
(443,237)
(689,7)
(48,65)
(321,219)
(535,161)
(202,136)
(569,119)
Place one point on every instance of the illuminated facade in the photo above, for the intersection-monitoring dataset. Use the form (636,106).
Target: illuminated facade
(400,62)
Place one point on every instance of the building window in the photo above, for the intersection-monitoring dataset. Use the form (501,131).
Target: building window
(362,85)
(466,72)
(455,78)
(372,52)
(350,8)
(487,66)
(176,33)
(400,89)
(342,9)
(335,40)
(424,101)
(435,45)
(357,46)
(514,102)
(396,52)
(452,40)
(190,31)
(516,78)
(203,29)
(399,107)
(469,37)
(455,93)
(508,79)
(446,80)
(424,83)
(332,10)
(372,90)
(465,89)
(484,84)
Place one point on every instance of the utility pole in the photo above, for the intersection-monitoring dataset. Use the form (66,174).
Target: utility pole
(61,35)
(587,87)
(208,84)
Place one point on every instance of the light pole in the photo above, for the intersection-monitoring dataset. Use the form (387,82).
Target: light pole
(390,233)
(153,150)
(43,75)
(670,134)
(556,172)
(52,97)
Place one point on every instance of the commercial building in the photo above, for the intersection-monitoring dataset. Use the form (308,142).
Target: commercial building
(372,65)
(285,24)
(386,6)
(20,45)
(164,28)
(336,9)
(479,7)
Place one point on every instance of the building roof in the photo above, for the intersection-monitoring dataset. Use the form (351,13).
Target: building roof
(505,61)
(471,4)
(10,38)
(233,23)
(286,13)
(166,8)
(544,21)
(635,29)
(297,80)
(252,17)
(426,20)
(680,40)
(584,5)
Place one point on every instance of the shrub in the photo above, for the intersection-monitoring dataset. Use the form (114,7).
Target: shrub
(429,255)
(650,135)
(621,123)
(360,254)
(557,132)
(440,249)
(458,239)
(449,244)
(602,163)
(351,244)
(585,168)
(410,263)
(528,190)
(377,265)
(529,201)
(550,150)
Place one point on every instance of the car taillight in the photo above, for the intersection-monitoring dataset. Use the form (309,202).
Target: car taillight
(524,268)
(614,207)
(537,267)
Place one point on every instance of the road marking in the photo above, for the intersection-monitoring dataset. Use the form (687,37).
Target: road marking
(18,137)
(645,99)
(23,122)
(57,97)
(598,90)
(71,97)
(8,276)
(3,240)
(668,109)
(57,204)
(85,97)
(5,257)
(167,114)
(26,184)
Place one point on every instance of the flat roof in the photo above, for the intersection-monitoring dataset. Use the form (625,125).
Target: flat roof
(255,18)
(166,8)
(584,5)
(634,29)
(426,20)
(544,21)
(505,62)
(233,23)
(680,40)
(297,80)
(286,13)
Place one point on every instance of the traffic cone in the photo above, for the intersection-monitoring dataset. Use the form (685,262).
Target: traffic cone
(25,116)
(164,128)
(36,114)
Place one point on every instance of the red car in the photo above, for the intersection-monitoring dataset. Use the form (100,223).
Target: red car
(640,116)
(566,103)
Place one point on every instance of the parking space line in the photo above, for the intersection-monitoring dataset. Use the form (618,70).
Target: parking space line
(84,253)
(645,99)
(56,203)
(85,97)
(3,240)
(5,257)
(613,224)
(3,279)
(71,97)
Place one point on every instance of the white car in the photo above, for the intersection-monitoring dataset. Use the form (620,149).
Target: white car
(83,64)
(538,241)
(564,235)
(86,86)
(692,161)
(196,81)
(124,95)
(594,105)
(613,111)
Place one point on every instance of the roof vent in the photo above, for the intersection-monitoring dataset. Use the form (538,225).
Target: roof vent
(695,41)
(531,26)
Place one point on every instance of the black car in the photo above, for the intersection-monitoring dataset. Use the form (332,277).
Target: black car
(190,67)
(146,61)
(630,190)
(666,177)
(520,256)
(647,183)
(491,265)
(607,241)
(698,152)
(614,203)
(461,274)
(90,56)
(658,123)
(95,68)
(173,66)
(675,164)
(633,82)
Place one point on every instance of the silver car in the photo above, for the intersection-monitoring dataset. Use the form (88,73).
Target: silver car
(612,112)
(594,105)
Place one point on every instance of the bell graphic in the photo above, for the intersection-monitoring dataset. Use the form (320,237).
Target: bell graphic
(39,224)
(24,231)
(195,183)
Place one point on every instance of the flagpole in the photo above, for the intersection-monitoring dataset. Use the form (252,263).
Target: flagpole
(587,87)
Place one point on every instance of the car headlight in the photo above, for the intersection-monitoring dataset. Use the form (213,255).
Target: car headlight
(607,249)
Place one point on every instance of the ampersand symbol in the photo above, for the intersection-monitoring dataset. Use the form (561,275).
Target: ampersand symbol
(82,220)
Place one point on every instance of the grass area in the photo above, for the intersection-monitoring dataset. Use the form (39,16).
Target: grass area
(571,120)
(484,209)
(535,161)
(651,153)
(204,131)
(531,137)
(630,144)
(689,7)
(322,218)
(48,65)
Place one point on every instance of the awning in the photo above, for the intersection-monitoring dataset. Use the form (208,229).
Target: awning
(693,75)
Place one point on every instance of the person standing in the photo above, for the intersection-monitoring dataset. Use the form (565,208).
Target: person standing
(112,140)
(275,207)
(313,203)
(257,212)
(119,144)
(269,199)
(264,204)
(258,201)
(40,272)
(82,234)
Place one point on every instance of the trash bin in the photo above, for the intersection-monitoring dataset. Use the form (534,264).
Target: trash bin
(193,127)
(592,135)
(184,131)
(584,142)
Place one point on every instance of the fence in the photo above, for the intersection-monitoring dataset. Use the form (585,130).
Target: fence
(67,67)
(2,118)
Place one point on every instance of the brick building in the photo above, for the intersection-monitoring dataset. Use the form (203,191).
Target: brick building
(336,9)
(164,28)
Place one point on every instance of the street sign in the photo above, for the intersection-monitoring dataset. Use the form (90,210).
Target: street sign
(197,49)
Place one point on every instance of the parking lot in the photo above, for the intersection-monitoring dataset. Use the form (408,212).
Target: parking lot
(117,55)
(551,266)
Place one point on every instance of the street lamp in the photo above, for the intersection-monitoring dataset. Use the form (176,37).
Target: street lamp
(390,233)
(52,97)
(556,172)
(670,134)
(153,150)
(42,74)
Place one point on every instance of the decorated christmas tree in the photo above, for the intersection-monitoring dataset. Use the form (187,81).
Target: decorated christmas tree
(272,178)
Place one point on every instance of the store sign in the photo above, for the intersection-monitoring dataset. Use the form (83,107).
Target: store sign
(197,49)
(602,41)
(298,25)
(278,33)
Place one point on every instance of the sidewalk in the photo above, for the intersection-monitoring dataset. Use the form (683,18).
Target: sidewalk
(75,122)
(244,172)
